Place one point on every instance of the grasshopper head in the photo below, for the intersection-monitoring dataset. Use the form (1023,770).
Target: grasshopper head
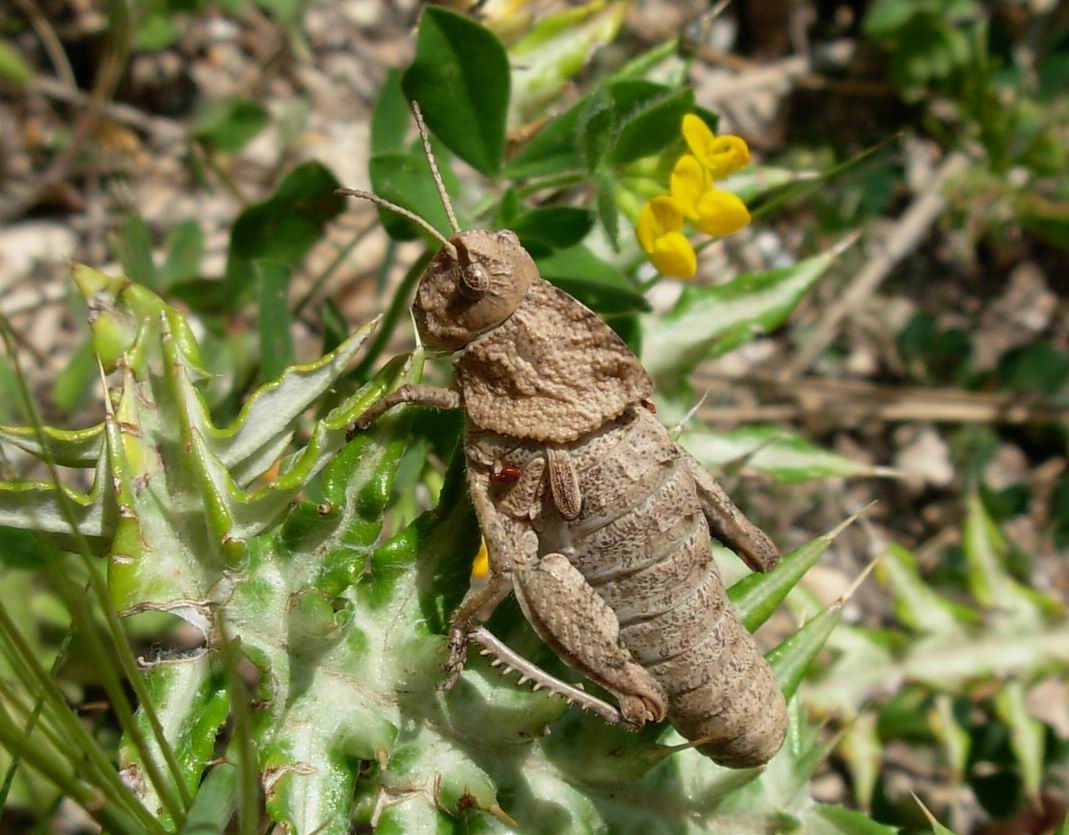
(473,288)
(475,282)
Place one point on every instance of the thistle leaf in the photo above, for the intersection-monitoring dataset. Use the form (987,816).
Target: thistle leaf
(708,321)
(986,550)
(917,605)
(756,596)
(69,447)
(784,455)
(1026,735)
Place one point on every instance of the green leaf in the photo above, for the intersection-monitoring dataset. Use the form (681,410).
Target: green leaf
(276,341)
(596,128)
(553,150)
(390,117)
(885,17)
(460,77)
(917,605)
(596,283)
(287,12)
(1038,367)
(227,126)
(552,228)
(185,248)
(72,385)
(861,748)
(832,819)
(155,32)
(756,596)
(790,660)
(557,47)
(708,321)
(134,245)
(756,181)
(282,228)
(986,551)
(953,738)
(1048,226)
(650,124)
(937,827)
(406,179)
(192,702)
(1026,735)
(11,403)
(13,69)
(608,211)
(627,119)
(214,803)
(782,454)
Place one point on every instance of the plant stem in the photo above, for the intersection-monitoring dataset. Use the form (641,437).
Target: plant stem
(249,794)
(389,321)
(110,816)
(30,669)
(331,268)
(31,723)
(77,602)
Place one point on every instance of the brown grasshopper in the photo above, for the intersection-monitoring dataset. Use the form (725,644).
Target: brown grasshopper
(593,516)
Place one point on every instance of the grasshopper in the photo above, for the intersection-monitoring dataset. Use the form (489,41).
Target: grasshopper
(594,518)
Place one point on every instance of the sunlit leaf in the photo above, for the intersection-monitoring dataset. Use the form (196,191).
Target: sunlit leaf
(460,77)
(707,321)
(784,455)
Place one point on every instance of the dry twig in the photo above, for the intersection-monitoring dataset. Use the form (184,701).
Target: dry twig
(851,401)
(907,234)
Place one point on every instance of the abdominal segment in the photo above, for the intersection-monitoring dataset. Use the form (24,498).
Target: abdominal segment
(636,537)
(642,542)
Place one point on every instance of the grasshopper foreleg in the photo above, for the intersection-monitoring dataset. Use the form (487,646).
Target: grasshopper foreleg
(416,394)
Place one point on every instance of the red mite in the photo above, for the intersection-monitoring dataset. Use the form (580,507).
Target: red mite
(649,406)
(507,474)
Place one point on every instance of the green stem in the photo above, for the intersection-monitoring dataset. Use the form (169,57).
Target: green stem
(31,723)
(567,178)
(398,305)
(30,669)
(809,186)
(18,704)
(382,274)
(81,611)
(642,64)
(331,268)
(77,603)
(248,788)
(111,817)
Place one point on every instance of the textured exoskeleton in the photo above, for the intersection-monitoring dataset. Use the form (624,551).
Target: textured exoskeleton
(593,516)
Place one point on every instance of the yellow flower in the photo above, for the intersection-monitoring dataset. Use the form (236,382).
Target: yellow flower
(481,567)
(689,181)
(711,210)
(719,154)
(659,232)
(720,213)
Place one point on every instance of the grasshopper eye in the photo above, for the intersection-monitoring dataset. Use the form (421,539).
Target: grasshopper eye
(508,236)
(474,279)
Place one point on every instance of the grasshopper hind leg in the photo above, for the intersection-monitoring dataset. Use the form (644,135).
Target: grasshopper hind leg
(570,616)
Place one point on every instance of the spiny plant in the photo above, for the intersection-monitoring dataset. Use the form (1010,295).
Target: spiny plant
(344,629)
(950,674)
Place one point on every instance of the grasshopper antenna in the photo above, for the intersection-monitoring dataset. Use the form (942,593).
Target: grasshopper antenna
(401,210)
(421,126)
